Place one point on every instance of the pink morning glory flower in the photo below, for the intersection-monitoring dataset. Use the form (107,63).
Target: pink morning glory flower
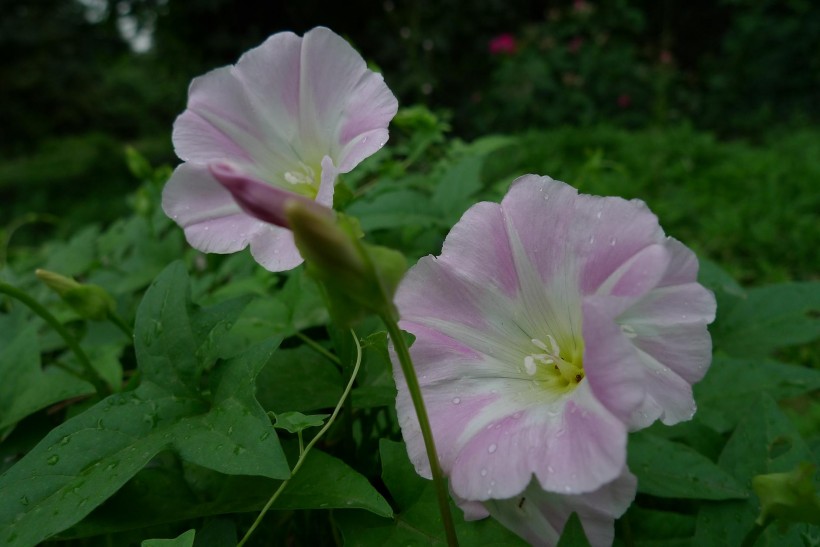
(292,113)
(550,326)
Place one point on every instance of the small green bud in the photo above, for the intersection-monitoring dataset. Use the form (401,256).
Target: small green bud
(89,301)
(788,496)
(357,278)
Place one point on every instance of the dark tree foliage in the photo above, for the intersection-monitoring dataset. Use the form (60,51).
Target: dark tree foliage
(53,62)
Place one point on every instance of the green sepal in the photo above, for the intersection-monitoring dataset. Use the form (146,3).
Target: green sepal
(788,496)
(89,301)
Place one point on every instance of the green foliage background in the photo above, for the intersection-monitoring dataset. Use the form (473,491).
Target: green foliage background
(721,141)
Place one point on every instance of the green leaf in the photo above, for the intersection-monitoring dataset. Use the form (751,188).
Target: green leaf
(137,164)
(573,534)
(325,482)
(161,494)
(765,441)
(454,191)
(235,436)
(26,387)
(395,209)
(732,385)
(672,470)
(657,525)
(419,521)
(295,422)
(299,379)
(713,277)
(89,457)
(770,317)
(184,540)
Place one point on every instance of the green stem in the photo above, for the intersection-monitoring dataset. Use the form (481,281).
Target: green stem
(122,325)
(303,453)
(754,534)
(413,387)
(315,346)
(91,374)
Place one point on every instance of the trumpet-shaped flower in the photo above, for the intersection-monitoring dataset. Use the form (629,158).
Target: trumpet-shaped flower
(550,326)
(292,113)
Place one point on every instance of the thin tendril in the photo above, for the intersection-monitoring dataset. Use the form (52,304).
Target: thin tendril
(304,453)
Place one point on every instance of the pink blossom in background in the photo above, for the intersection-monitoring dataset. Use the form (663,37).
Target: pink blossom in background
(550,326)
(503,44)
(292,113)
(624,100)
(581,7)
(575,44)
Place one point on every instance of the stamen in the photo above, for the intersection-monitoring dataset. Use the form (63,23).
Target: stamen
(628,331)
(564,370)
(529,365)
(305,176)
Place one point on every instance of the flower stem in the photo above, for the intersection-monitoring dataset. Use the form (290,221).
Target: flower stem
(413,387)
(91,375)
(754,534)
(315,346)
(121,324)
(303,453)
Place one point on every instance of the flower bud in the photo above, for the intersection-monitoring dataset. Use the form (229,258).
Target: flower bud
(89,301)
(788,496)
(358,278)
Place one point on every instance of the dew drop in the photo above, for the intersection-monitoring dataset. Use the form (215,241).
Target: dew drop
(456,400)
(612,242)
(492,448)
(65,440)
(598,214)
(24,500)
(483,472)
(52,460)
(517,415)
(550,469)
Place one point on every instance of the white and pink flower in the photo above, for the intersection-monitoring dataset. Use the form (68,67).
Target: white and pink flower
(550,326)
(293,113)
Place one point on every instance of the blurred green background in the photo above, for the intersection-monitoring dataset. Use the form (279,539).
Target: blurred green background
(708,110)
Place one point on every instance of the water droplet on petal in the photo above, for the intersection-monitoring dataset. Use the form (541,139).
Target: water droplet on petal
(550,469)
(492,448)
(483,472)
(456,400)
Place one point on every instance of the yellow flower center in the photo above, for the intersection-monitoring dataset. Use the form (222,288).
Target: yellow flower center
(304,180)
(554,367)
